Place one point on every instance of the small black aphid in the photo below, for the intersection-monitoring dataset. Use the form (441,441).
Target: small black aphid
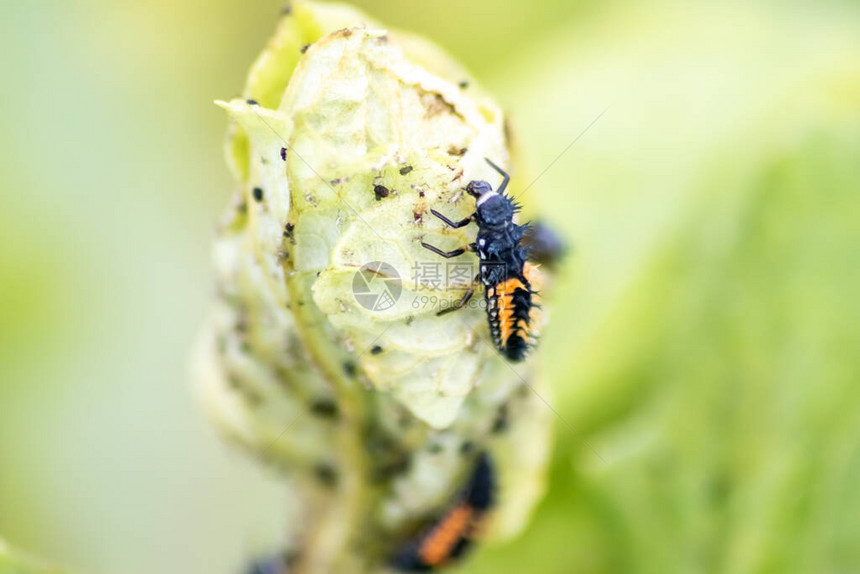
(304,48)
(326,474)
(504,271)
(325,408)
(349,368)
(405,170)
(501,423)
(464,84)
(252,102)
(389,470)
(258,194)
(375,350)
(284,153)
(380,191)
(404,420)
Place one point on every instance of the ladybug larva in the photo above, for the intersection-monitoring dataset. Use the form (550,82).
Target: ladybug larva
(504,270)
(451,536)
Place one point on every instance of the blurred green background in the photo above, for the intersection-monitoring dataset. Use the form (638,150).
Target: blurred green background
(705,332)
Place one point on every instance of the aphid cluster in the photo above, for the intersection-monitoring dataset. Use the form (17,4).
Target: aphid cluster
(451,535)
(504,270)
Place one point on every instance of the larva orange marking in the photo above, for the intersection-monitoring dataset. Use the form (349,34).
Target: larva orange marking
(438,545)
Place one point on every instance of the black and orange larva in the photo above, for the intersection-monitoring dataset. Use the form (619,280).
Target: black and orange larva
(451,536)
(504,270)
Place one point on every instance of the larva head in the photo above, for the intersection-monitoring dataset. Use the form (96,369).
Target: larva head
(494,210)
(478,189)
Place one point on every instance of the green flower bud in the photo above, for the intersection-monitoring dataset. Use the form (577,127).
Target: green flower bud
(324,353)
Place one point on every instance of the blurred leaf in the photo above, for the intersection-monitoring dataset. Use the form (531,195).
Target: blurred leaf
(707,347)
(13,562)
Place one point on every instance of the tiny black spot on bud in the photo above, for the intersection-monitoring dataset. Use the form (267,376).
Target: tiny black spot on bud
(464,84)
(252,102)
(389,470)
(467,447)
(325,408)
(420,194)
(380,191)
(281,562)
(375,350)
(404,420)
(304,48)
(253,399)
(284,153)
(258,194)
(349,368)
(500,425)
(405,170)
(377,443)
(326,474)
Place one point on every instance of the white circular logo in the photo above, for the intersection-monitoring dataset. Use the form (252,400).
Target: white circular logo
(376,286)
